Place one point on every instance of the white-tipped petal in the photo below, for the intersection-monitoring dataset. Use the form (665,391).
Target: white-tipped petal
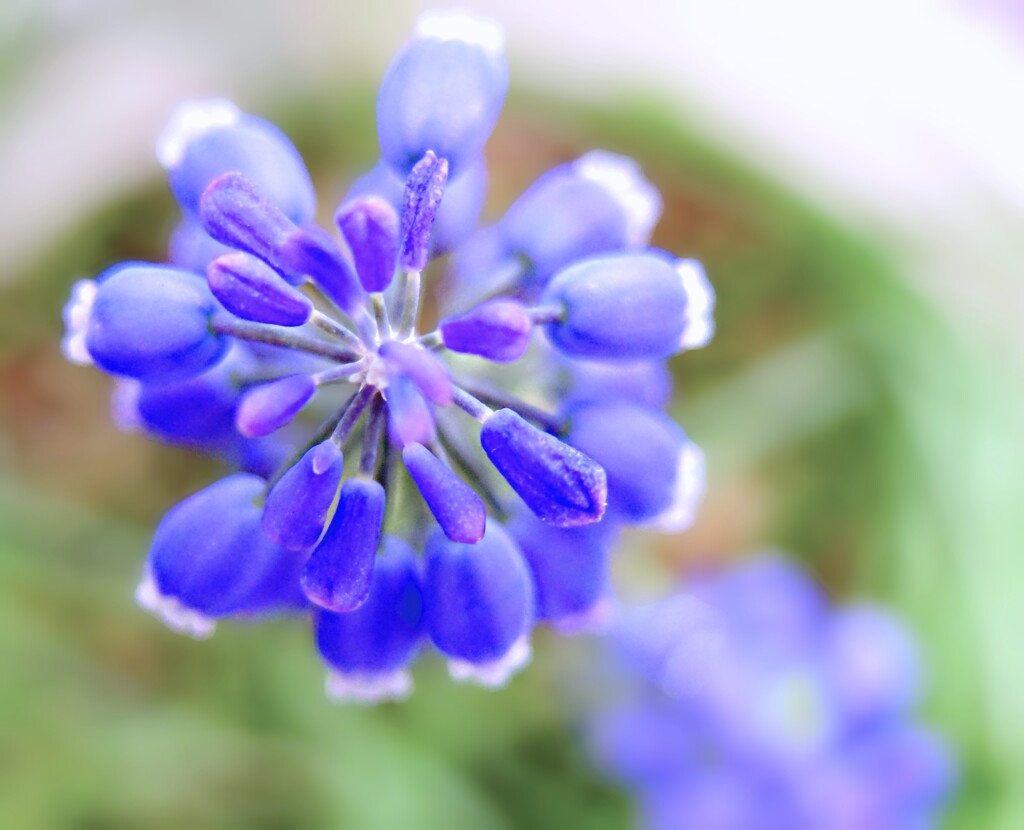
(368,688)
(687,492)
(189,121)
(458,24)
(495,674)
(625,181)
(597,617)
(76,322)
(171,612)
(124,406)
(700,305)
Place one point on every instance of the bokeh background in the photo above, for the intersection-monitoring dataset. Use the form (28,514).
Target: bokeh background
(851,173)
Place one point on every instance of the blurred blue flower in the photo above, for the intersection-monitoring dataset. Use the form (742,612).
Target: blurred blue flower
(296,355)
(747,702)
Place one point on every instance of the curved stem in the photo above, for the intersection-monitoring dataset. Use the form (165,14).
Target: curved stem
(280,336)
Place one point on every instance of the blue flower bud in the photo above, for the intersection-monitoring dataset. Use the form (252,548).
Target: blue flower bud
(597,204)
(151,322)
(209,559)
(873,665)
(481,268)
(655,474)
(479,605)
(297,505)
(422,367)
(498,330)
(370,226)
(443,92)
(409,421)
(559,483)
(458,509)
(338,573)
(420,203)
(269,406)
(369,649)
(249,289)
(623,307)
(643,382)
(207,138)
(192,248)
(234,211)
(570,569)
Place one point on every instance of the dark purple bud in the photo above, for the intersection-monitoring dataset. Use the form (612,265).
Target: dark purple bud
(370,226)
(252,290)
(369,650)
(314,253)
(457,508)
(423,192)
(338,574)
(297,505)
(559,483)
(498,330)
(479,600)
(234,212)
(422,367)
(270,406)
(409,421)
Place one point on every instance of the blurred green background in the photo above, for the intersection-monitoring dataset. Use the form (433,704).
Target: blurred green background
(848,415)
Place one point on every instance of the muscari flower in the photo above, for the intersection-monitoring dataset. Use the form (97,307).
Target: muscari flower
(297,355)
(751,703)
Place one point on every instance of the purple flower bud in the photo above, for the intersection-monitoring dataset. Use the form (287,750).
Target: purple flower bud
(444,91)
(559,483)
(655,474)
(370,226)
(207,138)
(498,330)
(210,559)
(370,648)
(479,604)
(643,382)
(422,367)
(252,290)
(312,252)
(297,505)
(423,193)
(235,212)
(338,573)
(151,322)
(457,508)
(569,566)
(270,406)
(410,421)
(621,307)
(192,248)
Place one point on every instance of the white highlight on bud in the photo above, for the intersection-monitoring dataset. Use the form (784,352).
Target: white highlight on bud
(357,687)
(171,612)
(624,180)
(456,24)
(124,406)
(76,320)
(687,492)
(700,305)
(495,674)
(189,121)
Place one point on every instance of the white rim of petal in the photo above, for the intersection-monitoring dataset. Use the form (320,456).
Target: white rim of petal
(623,178)
(368,688)
(458,24)
(76,315)
(699,323)
(189,121)
(171,612)
(687,492)
(124,406)
(597,617)
(495,674)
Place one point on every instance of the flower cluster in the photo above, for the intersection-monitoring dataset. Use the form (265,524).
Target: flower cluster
(453,485)
(755,705)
